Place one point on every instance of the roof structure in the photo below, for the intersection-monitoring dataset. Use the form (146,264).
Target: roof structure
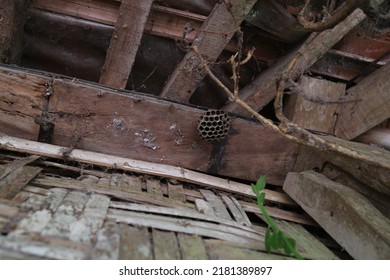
(175,107)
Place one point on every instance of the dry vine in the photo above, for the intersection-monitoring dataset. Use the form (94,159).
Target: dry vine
(286,127)
(370,7)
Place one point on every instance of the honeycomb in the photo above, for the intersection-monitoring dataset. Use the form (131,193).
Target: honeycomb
(214,125)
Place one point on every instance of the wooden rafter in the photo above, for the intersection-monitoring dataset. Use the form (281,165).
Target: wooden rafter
(87,116)
(263,89)
(125,41)
(12,17)
(215,34)
(372,105)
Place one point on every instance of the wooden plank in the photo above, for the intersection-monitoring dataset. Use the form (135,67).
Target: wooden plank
(162,170)
(48,248)
(123,195)
(181,212)
(154,187)
(309,108)
(225,251)
(204,207)
(13,15)
(346,215)
(379,200)
(379,136)
(263,89)
(144,133)
(107,246)
(307,245)
(165,245)
(212,230)
(216,203)
(375,173)
(215,34)
(22,104)
(55,199)
(135,243)
(236,210)
(372,105)
(134,183)
(279,214)
(17,180)
(176,192)
(125,41)
(191,247)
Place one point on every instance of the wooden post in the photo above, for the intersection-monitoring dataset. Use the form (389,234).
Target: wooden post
(12,17)
(125,41)
(215,34)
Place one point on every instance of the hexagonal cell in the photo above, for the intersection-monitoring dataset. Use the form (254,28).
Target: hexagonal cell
(214,125)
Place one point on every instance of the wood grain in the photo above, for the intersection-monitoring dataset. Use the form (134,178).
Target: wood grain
(215,34)
(129,29)
(144,127)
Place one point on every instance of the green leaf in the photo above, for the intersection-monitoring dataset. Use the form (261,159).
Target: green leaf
(261,182)
(255,189)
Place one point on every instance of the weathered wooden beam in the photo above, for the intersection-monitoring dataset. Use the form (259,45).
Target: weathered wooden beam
(379,136)
(215,34)
(310,108)
(263,89)
(12,18)
(375,174)
(21,111)
(143,127)
(125,41)
(345,214)
(372,105)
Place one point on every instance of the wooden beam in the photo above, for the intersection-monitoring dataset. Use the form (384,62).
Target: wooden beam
(12,18)
(379,136)
(372,105)
(143,127)
(125,41)
(309,108)
(263,89)
(215,34)
(21,111)
(375,174)
(346,215)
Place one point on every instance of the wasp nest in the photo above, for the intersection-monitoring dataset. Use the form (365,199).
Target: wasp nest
(214,125)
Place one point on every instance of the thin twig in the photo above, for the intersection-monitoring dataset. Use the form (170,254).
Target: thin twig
(287,128)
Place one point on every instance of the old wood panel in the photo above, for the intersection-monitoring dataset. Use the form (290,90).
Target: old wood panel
(191,247)
(107,245)
(17,180)
(87,116)
(309,246)
(136,243)
(166,246)
(23,103)
(13,15)
(345,214)
(215,34)
(312,107)
(127,36)
(372,105)
(216,203)
(374,173)
(263,89)
(176,192)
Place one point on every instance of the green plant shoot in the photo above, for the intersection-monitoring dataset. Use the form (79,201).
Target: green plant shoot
(274,237)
